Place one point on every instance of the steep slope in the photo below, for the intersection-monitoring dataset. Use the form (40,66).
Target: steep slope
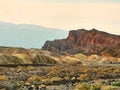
(27,35)
(86,42)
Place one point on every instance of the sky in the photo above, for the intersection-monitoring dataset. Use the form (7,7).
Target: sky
(103,15)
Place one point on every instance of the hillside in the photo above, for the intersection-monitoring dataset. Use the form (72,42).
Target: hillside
(87,42)
(27,35)
(80,47)
(14,55)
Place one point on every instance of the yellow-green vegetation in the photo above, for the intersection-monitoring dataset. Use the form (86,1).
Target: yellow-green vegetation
(34,78)
(83,77)
(19,69)
(55,79)
(117,83)
(90,75)
(43,79)
(71,60)
(81,56)
(46,80)
(85,86)
(82,72)
(30,68)
(60,71)
(109,87)
(94,57)
(95,87)
(3,78)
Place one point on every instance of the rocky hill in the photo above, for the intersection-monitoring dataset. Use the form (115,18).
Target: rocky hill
(15,55)
(87,42)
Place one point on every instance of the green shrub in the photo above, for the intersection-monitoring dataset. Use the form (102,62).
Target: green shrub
(116,83)
(110,88)
(95,87)
(86,86)
(83,86)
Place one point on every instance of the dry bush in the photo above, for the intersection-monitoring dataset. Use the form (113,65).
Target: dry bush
(110,88)
(83,77)
(85,86)
(81,56)
(3,78)
(34,78)
(30,68)
(56,79)
(19,70)
(45,80)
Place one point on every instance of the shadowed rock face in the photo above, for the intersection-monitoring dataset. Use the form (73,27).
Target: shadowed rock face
(87,42)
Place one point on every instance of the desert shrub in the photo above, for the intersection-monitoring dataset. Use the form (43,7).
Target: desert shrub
(34,78)
(81,56)
(117,83)
(94,57)
(66,78)
(45,80)
(3,78)
(56,79)
(30,68)
(95,87)
(19,69)
(110,88)
(83,77)
(86,86)
(83,86)
(117,71)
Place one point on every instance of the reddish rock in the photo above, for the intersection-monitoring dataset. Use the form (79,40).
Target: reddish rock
(87,42)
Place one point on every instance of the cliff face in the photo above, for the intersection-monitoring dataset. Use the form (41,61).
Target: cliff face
(87,42)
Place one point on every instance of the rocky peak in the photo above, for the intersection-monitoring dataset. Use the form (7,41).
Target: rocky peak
(85,41)
(92,37)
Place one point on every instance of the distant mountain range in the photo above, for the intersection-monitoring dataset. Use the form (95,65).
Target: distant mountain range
(27,35)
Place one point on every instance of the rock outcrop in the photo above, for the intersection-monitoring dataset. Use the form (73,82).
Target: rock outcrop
(87,42)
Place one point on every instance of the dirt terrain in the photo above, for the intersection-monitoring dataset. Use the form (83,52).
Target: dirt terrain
(60,77)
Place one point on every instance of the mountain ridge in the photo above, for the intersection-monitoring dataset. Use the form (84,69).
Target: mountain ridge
(87,42)
(27,35)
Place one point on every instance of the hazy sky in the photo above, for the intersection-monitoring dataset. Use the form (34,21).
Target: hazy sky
(64,14)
